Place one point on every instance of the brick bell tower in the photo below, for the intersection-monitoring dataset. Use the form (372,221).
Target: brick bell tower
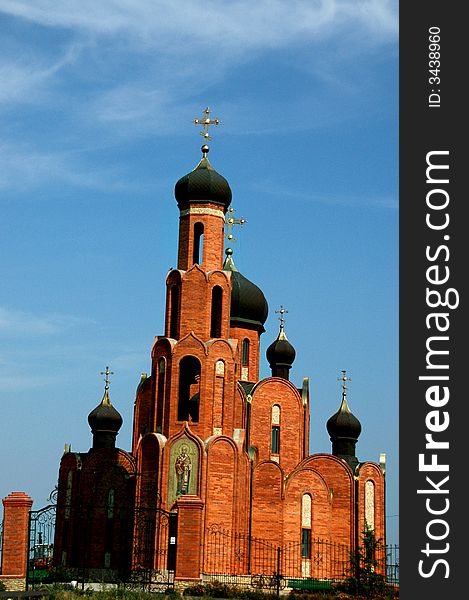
(213,321)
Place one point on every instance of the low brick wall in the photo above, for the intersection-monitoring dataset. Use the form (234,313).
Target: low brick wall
(13,584)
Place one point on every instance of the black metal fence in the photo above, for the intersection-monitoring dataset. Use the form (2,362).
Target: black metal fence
(231,558)
(237,559)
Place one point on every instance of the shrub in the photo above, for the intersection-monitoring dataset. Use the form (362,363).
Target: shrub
(194,590)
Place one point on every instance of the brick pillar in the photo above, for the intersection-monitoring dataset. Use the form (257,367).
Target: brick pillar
(16,508)
(189,539)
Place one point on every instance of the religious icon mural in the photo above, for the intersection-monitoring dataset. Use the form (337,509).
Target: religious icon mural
(183,466)
(184,463)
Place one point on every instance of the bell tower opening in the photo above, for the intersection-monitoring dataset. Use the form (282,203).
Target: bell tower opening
(215,320)
(174,317)
(198,251)
(189,389)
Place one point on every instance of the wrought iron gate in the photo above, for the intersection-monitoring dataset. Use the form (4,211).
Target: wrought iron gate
(154,550)
(41,544)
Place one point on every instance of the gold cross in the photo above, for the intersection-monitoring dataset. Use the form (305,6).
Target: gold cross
(230,222)
(206,121)
(107,372)
(344,379)
(282,311)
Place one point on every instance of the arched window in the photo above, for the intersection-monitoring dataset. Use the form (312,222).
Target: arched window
(369,504)
(215,321)
(245,353)
(111,497)
(218,397)
(160,394)
(174,305)
(110,503)
(306,513)
(197,256)
(275,420)
(68,494)
(189,389)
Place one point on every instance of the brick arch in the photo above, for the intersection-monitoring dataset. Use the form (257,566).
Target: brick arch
(307,481)
(149,466)
(189,341)
(372,472)
(143,411)
(110,456)
(279,381)
(218,277)
(186,432)
(195,272)
(325,462)
(220,345)
(71,460)
(341,483)
(174,277)
(163,347)
(275,390)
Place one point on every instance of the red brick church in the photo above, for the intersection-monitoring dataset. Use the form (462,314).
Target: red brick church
(220,461)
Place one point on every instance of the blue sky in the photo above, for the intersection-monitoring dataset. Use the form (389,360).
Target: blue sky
(96,109)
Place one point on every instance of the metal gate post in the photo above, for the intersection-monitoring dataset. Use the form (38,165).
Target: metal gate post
(279,550)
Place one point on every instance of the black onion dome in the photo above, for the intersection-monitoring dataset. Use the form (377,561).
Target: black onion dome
(280,352)
(344,424)
(203,184)
(105,417)
(248,303)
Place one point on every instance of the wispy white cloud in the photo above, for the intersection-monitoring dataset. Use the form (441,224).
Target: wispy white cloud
(20,323)
(25,79)
(264,23)
(351,200)
(143,57)
(127,68)
(24,166)
(23,382)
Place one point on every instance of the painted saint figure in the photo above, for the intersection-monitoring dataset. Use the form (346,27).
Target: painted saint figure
(183,466)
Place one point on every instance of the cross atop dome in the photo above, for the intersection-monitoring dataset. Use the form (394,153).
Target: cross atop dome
(344,380)
(107,372)
(230,222)
(206,121)
(282,311)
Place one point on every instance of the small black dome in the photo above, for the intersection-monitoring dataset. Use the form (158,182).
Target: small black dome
(203,184)
(105,418)
(248,303)
(281,352)
(344,424)
(281,355)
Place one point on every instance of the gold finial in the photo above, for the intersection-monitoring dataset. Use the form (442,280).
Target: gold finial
(344,380)
(107,372)
(230,222)
(206,121)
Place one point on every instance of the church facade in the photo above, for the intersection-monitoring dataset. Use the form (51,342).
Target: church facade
(219,464)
